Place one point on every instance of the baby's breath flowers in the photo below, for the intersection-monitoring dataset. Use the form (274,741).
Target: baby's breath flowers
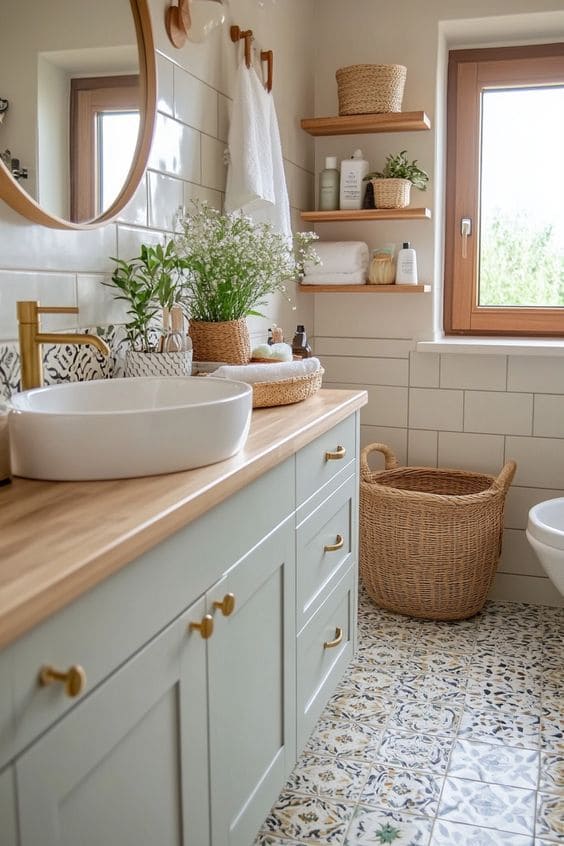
(231,265)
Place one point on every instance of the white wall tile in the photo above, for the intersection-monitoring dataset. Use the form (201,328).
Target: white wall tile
(424,370)
(435,409)
(369,347)
(481,372)
(130,240)
(300,184)
(214,170)
(165,83)
(137,209)
(370,315)
(540,461)
(534,591)
(96,302)
(479,453)
(166,196)
(51,289)
(549,416)
(365,371)
(224,117)
(520,500)
(422,447)
(195,103)
(206,195)
(176,149)
(536,374)
(396,439)
(386,406)
(517,555)
(500,413)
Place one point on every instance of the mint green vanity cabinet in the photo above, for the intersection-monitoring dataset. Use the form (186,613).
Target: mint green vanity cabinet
(8,830)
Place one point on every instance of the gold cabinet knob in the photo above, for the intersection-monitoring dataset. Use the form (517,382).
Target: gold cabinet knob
(340,452)
(205,627)
(333,547)
(226,605)
(329,644)
(74,679)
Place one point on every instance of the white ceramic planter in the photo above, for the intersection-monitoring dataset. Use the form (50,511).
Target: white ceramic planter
(158,364)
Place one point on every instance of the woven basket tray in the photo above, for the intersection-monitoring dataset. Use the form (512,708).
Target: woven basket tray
(268,394)
(430,539)
(370,89)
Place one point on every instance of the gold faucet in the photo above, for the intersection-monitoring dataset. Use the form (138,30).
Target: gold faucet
(31,339)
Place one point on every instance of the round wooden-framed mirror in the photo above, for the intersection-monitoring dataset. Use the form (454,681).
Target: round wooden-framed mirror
(74,158)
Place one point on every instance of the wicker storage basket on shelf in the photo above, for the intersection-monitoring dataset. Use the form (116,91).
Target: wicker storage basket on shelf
(391,193)
(268,394)
(430,539)
(228,341)
(370,89)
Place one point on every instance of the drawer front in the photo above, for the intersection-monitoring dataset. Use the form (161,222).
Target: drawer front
(320,461)
(326,546)
(320,661)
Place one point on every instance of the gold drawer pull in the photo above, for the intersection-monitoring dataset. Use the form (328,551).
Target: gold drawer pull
(74,679)
(333,547)
(205,627)
(329,644)
(340,452)
(227,604)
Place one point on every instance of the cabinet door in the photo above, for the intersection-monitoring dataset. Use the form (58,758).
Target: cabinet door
(8,836)
(251,669)
(119,768)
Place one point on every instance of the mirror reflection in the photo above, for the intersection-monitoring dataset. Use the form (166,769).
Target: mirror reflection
(69,101)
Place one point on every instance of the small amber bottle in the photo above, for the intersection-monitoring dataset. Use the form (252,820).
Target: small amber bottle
(300,346)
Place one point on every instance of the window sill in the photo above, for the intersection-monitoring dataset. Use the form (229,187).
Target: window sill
(494,346)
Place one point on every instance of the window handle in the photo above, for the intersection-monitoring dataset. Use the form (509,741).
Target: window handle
(465,231)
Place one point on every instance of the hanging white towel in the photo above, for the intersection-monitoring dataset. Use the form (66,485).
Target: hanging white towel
(279,213)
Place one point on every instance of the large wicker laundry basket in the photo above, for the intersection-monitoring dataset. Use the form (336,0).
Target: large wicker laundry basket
(430,539)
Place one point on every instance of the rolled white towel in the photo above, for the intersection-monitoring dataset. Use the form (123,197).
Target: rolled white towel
(339,257)
(252,373)
(358,277)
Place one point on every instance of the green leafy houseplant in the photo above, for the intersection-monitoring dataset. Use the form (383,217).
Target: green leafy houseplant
(399,167)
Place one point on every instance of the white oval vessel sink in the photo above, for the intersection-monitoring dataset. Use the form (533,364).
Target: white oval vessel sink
(121,428)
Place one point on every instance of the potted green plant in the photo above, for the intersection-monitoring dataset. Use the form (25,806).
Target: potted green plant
(231,266)
(151,284)
(392,185)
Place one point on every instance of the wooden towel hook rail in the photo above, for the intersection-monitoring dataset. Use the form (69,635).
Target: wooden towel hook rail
(268,57)
(178,22)
(237,34)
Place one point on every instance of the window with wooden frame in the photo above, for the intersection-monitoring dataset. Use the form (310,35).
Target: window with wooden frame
(104,125)
(504,260)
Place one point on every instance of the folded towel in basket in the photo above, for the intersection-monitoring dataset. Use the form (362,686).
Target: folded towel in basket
(252,373)
(339,257)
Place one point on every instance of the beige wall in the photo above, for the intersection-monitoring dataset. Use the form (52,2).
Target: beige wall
(471,411)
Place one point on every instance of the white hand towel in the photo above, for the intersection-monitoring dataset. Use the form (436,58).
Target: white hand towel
(252,373)
(357,277)
(250,182)
(339,257)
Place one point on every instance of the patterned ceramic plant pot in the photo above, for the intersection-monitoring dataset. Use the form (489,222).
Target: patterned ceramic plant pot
(227,341)
(158,364)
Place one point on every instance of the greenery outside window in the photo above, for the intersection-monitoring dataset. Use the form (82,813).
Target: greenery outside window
(504,261)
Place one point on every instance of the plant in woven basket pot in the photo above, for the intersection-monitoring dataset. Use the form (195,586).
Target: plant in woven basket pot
(392,185)
(151,285)
(231,267)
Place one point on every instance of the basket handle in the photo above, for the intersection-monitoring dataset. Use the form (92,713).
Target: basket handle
(503,481)
(389,456)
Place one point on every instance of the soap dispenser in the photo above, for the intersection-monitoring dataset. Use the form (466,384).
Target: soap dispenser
(300,346)
(353,171)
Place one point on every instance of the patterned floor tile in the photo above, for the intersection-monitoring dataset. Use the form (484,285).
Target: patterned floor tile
(425,717)
(399,790)
(492,762)
(431,687)
(363,678)
(553,705)
(269,840)
(383,654)
(550,817)
(369,826)
(309,819)
(456,642)
(345,739)
(432,662)
(551,773)
(360,707)
(518,644)
(552,736)
(338,778)
(553,677)
(504,675)
(492,727)
(505,701)
(488,805)
(425,752)
(457,834)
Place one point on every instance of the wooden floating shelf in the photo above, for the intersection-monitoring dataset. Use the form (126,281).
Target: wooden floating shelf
(364,289)
(367,214)
(360,124)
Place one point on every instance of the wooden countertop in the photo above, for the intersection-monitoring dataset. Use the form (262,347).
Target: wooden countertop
(59,539)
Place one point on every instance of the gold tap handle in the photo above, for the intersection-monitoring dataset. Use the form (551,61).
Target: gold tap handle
(205,627)
(329,644)
(333,547)
(227,604)
(74,679)
(340,452)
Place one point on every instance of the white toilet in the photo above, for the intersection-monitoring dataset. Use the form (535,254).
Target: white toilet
(545,533)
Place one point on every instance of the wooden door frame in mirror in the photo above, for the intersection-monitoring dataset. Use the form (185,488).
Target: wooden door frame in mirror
(14,195)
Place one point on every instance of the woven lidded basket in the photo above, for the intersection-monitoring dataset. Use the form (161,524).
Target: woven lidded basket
(430,539)
(391,193)
(288,391)
(227,341)
(369,89)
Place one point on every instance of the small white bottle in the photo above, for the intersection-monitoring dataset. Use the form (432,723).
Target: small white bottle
(406,271)
(353,171)
(329,185)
